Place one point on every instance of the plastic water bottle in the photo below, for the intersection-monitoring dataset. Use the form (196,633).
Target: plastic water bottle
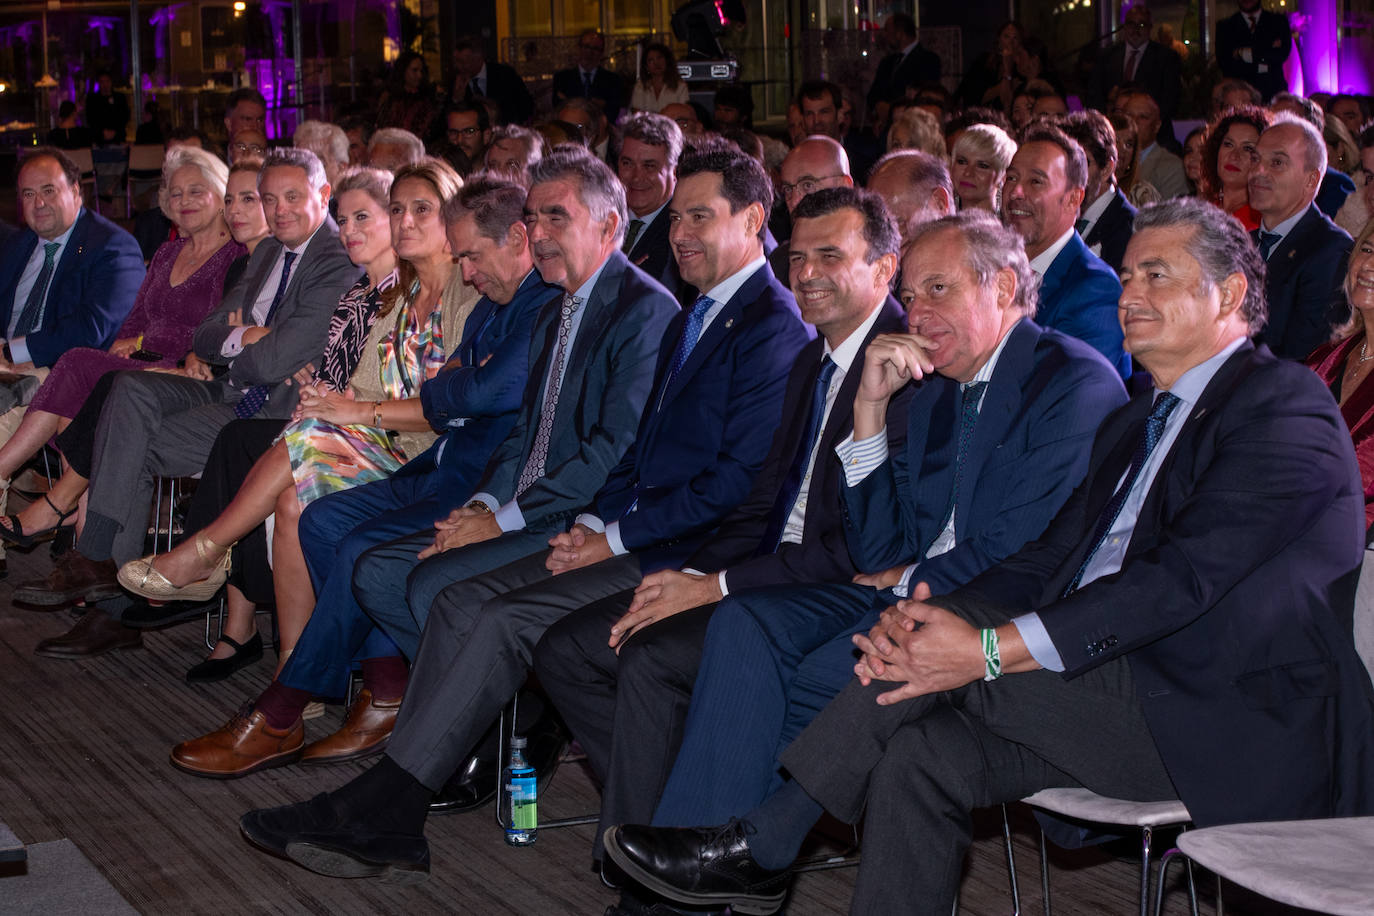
(522,793)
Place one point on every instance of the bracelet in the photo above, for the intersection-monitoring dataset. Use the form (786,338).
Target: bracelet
(992,657)
(478,505)
(377,414)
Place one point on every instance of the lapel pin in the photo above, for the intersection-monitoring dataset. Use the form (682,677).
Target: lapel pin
(1292,253)
(729,322)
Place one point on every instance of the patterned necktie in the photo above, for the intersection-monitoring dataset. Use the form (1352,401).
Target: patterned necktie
(971,398)
(539,452)
(1267,241)
(32,314)
(791,485)
(253,399)
(636,227)
(1154,431)
(690,335)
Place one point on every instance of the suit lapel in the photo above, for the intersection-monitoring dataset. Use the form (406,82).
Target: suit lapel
(596,317)
(20,252)
(932,447)
(1284,259)
(716,332)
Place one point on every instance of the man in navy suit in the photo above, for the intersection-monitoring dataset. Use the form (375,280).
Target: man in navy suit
(907,67)
(1182,629)
(649,149)
(590,80)
(1140,62)
(626,703)
(996,441)
(703,436)
(1305,252)
(1252,45)
(1041,196)
(491,80)
(1105,216)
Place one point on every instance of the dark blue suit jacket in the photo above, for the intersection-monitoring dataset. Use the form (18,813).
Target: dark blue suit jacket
(485,396)
(1234,602)
(822,555)
(1078,295)
(606,384)
(92,291)
(1112,231)
(607,88)
(706,430)
(1030,448)
(1305,285)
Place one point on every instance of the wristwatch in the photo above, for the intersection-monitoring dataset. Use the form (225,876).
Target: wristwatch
(479,506)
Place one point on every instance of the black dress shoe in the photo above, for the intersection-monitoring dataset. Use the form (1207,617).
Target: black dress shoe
(271,829)
(477,780)
(699,866)
(317,835)
(217,669)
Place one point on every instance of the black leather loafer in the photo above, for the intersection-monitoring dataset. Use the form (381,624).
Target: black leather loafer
(700,866)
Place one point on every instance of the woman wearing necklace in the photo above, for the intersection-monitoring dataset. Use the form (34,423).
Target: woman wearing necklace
(1347,363)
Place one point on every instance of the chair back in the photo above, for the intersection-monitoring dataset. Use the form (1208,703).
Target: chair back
(146,159)
(1364,611)
(84,160)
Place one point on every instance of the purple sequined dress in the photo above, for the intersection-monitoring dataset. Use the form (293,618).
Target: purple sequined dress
(165,315)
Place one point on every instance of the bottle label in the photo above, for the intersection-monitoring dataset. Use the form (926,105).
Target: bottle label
(524,804)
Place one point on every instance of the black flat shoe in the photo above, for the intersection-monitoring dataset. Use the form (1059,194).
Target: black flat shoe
(217,669)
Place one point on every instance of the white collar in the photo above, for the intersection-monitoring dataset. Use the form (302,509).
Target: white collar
(844,355)
(1093,212)
(1041,262)
(723,291)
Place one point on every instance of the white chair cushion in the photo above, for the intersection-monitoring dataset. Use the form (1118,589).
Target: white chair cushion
(1086,805)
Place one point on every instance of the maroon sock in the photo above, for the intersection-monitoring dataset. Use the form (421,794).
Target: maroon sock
(386,677)
(281,706)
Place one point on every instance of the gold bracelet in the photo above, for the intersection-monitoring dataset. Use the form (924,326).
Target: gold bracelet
(377,414)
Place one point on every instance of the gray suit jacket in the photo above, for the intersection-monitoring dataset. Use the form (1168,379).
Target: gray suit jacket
(607,381)
(1164,170)
(299,328)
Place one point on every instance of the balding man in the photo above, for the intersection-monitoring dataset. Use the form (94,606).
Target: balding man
(916,188)
(1180,630)
(1154,163)
(1304,250)
(814,163)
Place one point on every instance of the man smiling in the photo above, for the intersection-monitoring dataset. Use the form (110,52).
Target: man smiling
(649,152)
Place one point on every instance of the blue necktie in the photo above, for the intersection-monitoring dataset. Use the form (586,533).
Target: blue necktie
(1154,431)
(690,334)
(1267,241)
(972,398)
(32,314)
(791,485)
(255,397)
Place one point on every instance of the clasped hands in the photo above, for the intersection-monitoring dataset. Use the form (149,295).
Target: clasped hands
(578,547)
(460,528)
(662,594)
(925,648)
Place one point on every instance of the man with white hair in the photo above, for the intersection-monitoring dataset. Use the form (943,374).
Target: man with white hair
(329,144)
(391,147)
(1305,252)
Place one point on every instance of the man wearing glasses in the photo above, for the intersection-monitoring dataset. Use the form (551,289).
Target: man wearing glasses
(469,132)
(1143,64)
(816,162)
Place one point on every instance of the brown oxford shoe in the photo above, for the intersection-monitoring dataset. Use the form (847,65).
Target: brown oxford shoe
(364,732)
(94,634)
(73,578)
(244,745)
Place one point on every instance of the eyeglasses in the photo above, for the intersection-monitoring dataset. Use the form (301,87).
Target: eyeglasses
(463,131)
(805,186)
(250,148)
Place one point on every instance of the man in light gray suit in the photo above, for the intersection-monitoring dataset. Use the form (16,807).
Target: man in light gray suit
(1154,164)
(157,424)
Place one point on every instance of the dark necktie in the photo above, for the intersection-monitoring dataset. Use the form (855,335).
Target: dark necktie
(1080,226)
(636,227)
(690,334)
(1267,241)
(791,485)
(32,314)
(1149,438)
(539,452)
(1132,62)
(586,84)
(972,397)
(253,399)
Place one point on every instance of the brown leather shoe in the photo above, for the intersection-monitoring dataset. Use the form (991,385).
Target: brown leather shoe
(74,578)
(94,634)
(245,744)
(364,732)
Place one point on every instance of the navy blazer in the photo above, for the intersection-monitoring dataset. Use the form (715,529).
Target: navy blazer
(1234,601)
(1079,295)
(607,87)
(822,555)
(1158,73)
(1305,285)
(706,431)
(92,290)
(484,397)
(606,384)
(1112,231)
(1269,45)
(1030,448)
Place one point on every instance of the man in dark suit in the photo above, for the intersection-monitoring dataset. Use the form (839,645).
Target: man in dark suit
(908,65)
(1041,196)
(266,328)
(649,149)
(492,80)
(1305,252)
(814,163)
(474,401)
(590,80)
(1140,62)
(997,438)
(626,704)
(1105,217)
(1252,45)
(702,438)
(1194,596)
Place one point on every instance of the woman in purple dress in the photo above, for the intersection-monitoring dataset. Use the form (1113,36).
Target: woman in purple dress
(184,282)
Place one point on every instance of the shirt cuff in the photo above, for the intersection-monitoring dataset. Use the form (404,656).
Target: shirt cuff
(233,344)
(903,588)
(720,578)
(862,457)
(613,540)
(590,521)
(1247,55)
(1038,642)
(508,517)
(19,351)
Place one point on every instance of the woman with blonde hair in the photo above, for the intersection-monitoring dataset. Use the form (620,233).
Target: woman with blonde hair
(977,165)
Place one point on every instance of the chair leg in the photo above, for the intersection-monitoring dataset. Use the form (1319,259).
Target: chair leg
(1044,875)
(1146,834)
(216,615)
(1164,862)
(1011,864)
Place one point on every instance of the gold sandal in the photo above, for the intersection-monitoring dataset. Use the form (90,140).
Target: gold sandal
(141,578)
